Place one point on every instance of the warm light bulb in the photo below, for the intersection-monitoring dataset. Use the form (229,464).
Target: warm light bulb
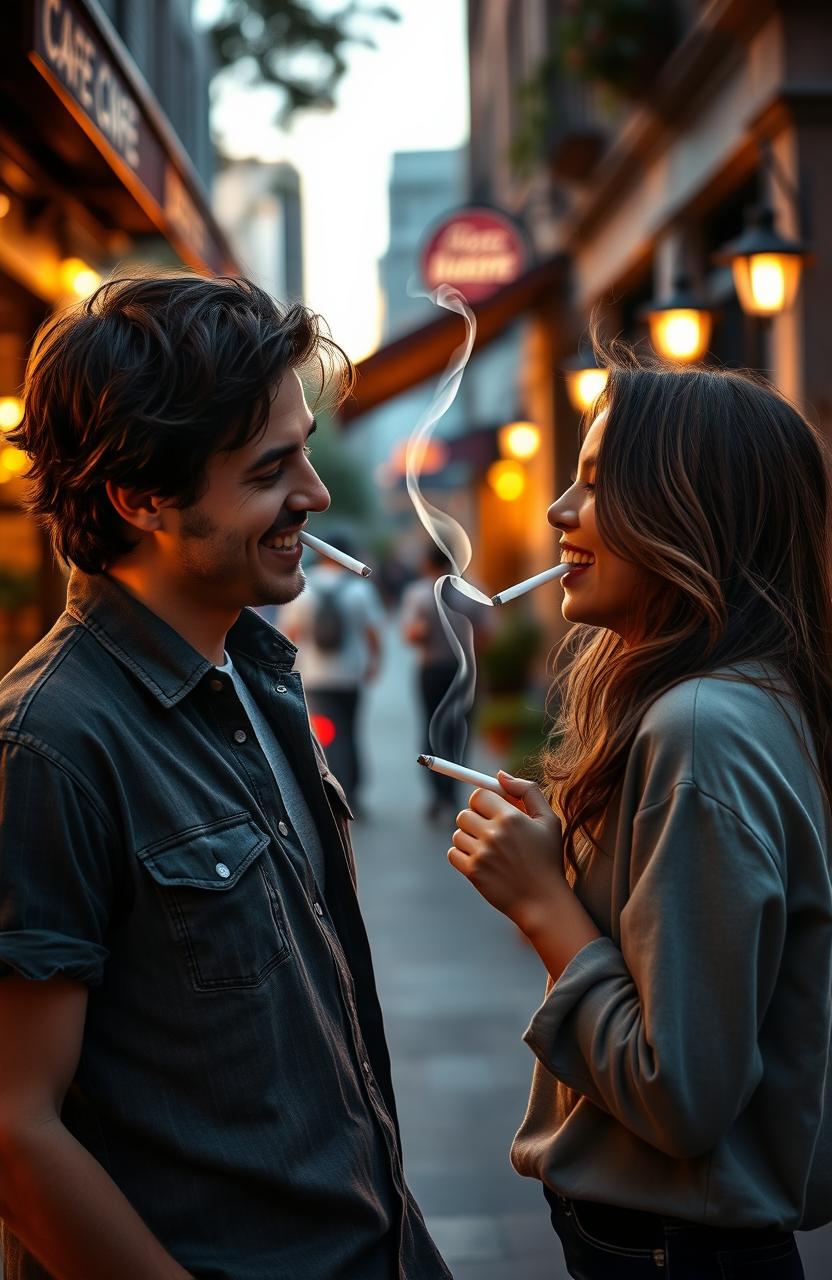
(680,334)
(13,460)
(508,479)
(5,204)
(584,386)
(519,440)
(768,281)
(78,277)
(11,412)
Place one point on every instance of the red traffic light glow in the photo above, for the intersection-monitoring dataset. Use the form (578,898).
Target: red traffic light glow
(324,730)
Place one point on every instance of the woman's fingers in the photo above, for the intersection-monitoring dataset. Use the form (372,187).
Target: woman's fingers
(473,823)
(534,801)
(464,842)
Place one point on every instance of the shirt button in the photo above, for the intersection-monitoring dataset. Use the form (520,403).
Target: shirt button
(222,871)
(280,688)
(239,735)
(215,685)
(282,828)
(318,908)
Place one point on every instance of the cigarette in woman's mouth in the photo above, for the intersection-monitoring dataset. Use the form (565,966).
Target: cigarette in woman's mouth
(332,553)
(461,774)
(548,575)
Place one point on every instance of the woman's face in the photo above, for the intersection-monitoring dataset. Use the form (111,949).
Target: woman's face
(602,591)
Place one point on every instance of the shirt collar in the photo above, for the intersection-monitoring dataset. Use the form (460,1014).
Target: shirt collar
(151,649)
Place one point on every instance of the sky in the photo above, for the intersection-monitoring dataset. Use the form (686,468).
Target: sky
(409,94)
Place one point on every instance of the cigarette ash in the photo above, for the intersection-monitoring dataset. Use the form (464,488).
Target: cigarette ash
(448,731)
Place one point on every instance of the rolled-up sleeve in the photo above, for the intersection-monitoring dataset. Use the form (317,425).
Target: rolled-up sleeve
(662,1030)
(56,869)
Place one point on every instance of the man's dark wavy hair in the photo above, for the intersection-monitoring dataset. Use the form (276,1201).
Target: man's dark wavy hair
(141,383)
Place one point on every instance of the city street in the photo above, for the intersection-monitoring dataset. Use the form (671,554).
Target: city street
(457,986)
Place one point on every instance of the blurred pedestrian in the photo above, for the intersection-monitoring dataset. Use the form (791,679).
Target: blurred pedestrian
(194,1080)
(338,624)
(681,900)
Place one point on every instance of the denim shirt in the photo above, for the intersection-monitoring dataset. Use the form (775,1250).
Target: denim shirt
(234,1079)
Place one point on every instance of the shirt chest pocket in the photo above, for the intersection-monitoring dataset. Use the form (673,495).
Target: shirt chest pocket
(223,907)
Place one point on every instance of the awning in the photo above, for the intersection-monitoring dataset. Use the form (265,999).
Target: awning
(425,352)
(73,100)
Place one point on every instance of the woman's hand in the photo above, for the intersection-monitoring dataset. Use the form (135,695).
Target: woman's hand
(513,856)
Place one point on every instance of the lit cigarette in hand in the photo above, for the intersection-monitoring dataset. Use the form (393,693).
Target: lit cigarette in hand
(332,553)
(461,774)
(548,575)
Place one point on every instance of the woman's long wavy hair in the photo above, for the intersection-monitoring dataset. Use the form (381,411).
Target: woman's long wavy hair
(719,489)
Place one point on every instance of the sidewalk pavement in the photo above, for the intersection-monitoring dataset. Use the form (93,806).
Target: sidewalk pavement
(457,986)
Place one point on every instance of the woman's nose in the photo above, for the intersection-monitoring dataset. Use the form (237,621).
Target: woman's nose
(562,513)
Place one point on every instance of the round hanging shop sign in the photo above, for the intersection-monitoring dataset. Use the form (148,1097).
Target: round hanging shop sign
(478,251)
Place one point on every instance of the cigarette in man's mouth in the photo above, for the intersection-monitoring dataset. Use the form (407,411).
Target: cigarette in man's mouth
(548,575)
(461,774)
(332,553)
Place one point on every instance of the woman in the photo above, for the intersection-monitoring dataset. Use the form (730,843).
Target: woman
(681,1108)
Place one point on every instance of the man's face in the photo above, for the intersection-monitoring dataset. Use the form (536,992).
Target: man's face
(227,546)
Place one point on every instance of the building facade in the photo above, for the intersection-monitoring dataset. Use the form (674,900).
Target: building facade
(638,172)
(104,159)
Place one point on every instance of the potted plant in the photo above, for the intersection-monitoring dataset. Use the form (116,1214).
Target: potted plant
(618,43)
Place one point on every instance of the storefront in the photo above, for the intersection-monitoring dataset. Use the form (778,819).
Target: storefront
(92,176)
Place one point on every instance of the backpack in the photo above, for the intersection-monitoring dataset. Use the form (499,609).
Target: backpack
(329,621)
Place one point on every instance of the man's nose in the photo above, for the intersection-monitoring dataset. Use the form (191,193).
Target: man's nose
(319,498)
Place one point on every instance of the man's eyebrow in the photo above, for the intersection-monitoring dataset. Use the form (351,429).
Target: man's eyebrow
(275,454)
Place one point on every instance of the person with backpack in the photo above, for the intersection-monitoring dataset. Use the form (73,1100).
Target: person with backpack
(337,622)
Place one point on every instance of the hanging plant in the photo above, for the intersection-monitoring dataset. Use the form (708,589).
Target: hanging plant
(618,43)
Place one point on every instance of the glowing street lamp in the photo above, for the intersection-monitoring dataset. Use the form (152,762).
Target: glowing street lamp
(11,412)
(765,265)
(680,327)
(78,277)
(585,379)
(519,440)
(507,478)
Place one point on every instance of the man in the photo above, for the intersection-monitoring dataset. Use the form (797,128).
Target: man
(337,624)
(193,1074)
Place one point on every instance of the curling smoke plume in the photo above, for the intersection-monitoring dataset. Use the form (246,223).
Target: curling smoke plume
(448,731)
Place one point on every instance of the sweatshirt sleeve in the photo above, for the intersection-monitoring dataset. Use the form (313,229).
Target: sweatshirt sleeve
(662,1031)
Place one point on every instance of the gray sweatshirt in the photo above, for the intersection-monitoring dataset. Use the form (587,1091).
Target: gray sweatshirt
(684,1057)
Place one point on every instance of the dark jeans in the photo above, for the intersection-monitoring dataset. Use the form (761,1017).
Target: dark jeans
(341,707)
(601,1242)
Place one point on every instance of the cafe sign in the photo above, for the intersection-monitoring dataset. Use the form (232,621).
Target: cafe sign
(476,250)
(71,53)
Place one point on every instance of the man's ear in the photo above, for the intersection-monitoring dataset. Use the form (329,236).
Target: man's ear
(142,510)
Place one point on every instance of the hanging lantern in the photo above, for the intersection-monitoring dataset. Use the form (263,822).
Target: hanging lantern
(765,265)
(585,379)
(680,327)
